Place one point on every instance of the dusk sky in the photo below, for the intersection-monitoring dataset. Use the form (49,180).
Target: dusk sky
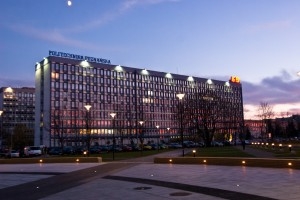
(257,40)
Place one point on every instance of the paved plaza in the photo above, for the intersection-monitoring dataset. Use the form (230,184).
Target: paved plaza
(142,179)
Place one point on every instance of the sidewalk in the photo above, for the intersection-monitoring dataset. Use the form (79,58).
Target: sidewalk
(141,179)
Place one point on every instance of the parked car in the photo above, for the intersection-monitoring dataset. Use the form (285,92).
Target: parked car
(126,148)
(163,146)
(95,150)
(79,150)
(175,145)
(55,151)
(136,148)
(247,142)
(3,152)
(10,154)
(14,154)
(155,146)
(216,144)
(32,151)
(147,147)
(68,150)
(189,144)
(104,148)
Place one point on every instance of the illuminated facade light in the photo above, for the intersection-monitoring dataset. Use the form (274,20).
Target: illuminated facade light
(118,68)
(85,63)
(145,72)
(180,96)
(169,75)
(190,78)
(88,107)
(209,81)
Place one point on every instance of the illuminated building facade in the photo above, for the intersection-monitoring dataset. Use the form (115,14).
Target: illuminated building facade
(17,106)
(67,83)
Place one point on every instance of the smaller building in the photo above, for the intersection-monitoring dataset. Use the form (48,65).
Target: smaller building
(17,106)
(256,127)
(276,128)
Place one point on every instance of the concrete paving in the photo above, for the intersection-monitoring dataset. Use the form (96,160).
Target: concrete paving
(141,179)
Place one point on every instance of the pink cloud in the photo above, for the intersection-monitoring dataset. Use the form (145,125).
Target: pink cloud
(276,25)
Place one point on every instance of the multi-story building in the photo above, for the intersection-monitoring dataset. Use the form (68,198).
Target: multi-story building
(67,84)
(17,106)
(256,127)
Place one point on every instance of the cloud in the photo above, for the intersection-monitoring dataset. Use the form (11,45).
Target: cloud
(276,25)
(55,36)
(282,91)
(63,35)
(17,83)
(126,5)
(111,15)
(277,89)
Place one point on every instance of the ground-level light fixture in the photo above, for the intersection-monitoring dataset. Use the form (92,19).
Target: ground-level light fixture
(290,147)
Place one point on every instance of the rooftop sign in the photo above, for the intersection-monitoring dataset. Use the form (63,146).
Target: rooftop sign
(78,57)
(235,79)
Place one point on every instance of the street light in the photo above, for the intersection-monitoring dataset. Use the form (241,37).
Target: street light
(157,137)
(180,97)
(88,128)
(168,133)
(114,140)
(141,136)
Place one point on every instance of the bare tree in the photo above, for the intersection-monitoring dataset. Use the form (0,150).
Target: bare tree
(265,112)
(207,113)
(23,136)
(59,127)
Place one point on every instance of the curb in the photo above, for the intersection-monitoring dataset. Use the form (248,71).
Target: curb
(51,160)
(229,161)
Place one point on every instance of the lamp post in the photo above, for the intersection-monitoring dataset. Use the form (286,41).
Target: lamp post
(88,128)
(113,131)
(157,137)
(141,136)
(168,132)
(180,97)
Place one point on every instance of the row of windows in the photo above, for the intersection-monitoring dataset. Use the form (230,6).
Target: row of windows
(130,85)
(119,90)
(71,72)
(124,132)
